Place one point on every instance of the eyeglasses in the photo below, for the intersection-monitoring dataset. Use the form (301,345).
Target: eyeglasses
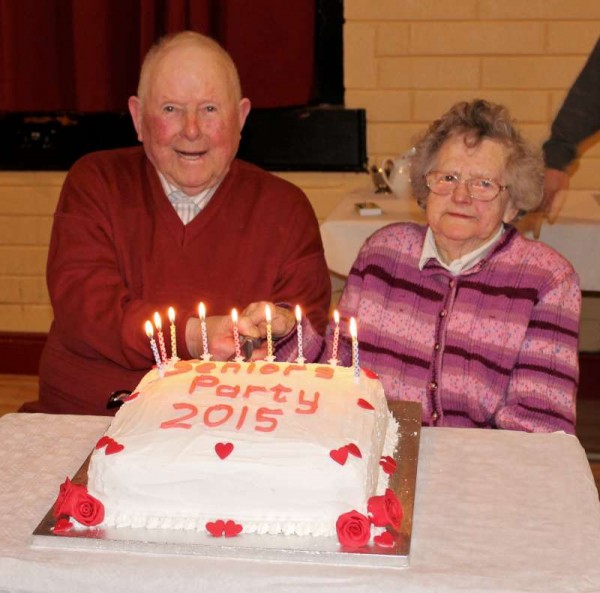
(444,184)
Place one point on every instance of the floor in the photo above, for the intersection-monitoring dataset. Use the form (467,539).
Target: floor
(16,389)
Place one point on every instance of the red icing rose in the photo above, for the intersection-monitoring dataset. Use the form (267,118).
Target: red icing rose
(353,529)
(74,501)
(386,510)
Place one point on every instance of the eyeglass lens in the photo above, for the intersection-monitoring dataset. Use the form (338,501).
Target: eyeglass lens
(445,183)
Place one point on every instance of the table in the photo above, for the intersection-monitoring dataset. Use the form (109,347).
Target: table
(575,233)
(495,511)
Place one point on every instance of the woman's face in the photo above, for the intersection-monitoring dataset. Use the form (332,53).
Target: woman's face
(459,223)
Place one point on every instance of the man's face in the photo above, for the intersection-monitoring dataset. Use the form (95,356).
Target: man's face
(190,117)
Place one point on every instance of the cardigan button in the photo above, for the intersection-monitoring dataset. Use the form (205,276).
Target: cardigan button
(437,346)
(435,416)
(443,313)
(432,385)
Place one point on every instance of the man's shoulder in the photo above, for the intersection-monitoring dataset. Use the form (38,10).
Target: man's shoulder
(117,157)
(264,181)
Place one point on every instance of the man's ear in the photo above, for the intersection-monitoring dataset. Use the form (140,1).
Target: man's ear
(243,111)
(135,109)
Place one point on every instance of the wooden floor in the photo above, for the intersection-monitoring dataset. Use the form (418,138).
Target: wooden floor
(16,389)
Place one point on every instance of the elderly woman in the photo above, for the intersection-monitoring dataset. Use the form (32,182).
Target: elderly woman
(464,315)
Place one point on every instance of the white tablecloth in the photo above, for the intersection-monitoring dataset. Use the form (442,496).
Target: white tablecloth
(575,233)
(495,511)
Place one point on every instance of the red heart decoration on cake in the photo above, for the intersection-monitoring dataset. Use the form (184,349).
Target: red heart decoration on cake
(354,450)
(223,450)
(388,464)
(113,447)
(384,540)
(63,525)
(216,529)
(339,455)
(232,529)
(131,396)
(370,374)
(363,403)
(102,442)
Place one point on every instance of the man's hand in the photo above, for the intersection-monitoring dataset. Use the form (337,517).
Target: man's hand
(554,181)
(282,320)
(219,330)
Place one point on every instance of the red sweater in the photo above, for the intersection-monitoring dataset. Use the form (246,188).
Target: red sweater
(119,252)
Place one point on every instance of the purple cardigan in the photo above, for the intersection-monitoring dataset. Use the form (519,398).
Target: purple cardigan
(495,347)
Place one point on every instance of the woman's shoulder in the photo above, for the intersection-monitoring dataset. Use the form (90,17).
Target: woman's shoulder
(537,256)
(538,251)
(400,236)
(392,247)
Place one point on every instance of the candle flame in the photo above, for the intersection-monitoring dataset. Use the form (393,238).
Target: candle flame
(149,329)
(157,321)
(202,311)
(234,316)
(353,330)
(268,313)
(171,315)
(336,316)
(298,314)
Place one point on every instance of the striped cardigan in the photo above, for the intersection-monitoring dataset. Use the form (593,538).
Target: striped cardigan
(495,347)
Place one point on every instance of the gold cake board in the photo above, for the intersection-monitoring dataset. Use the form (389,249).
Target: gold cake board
(321,550)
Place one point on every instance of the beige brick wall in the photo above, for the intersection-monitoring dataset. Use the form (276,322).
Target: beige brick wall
(27,201)
(406,62)
(409,60)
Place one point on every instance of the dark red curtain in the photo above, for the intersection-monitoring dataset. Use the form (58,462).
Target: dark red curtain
(85,55)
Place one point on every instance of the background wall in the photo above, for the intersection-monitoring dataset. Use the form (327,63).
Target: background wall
(406,62)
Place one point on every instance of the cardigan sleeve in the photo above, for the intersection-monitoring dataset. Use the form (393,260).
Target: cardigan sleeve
(317,348)
(543,385)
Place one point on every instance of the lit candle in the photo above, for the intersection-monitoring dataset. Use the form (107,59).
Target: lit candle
(354,334)
(236,336)
(174,356)
(269,356)
(161,338)
(150,334)
(202,314)
(336,339)
(300,359)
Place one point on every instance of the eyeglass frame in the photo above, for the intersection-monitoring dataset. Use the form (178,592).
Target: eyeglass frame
(467,182)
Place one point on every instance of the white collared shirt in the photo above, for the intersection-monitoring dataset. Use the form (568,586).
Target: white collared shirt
(463,263)
(187,207)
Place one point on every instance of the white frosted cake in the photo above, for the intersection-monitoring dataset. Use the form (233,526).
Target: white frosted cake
(260,447)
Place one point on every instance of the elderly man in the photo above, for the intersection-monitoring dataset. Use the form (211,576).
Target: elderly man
(174,223)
